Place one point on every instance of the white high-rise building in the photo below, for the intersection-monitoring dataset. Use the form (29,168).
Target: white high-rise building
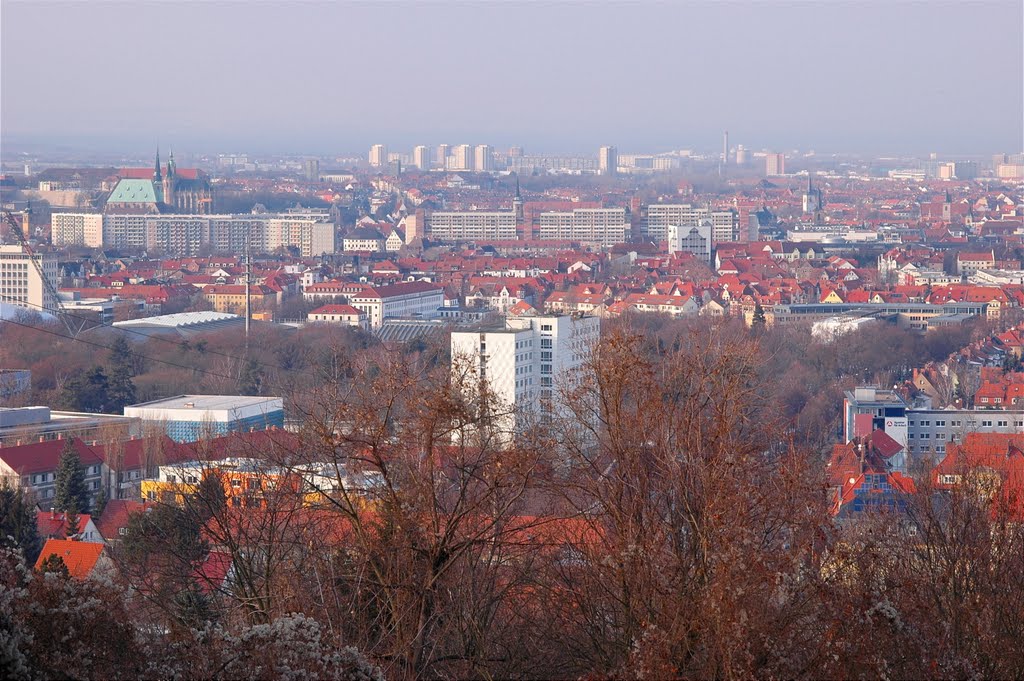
(484,158)
(378,155)
(421,157)
(660,216)
(527,364)
(608,160)
(443,152)
(20,283)
(462,158)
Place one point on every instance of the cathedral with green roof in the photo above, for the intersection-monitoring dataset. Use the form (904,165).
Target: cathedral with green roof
(164,191)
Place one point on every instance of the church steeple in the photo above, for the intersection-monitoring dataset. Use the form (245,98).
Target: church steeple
(156,170)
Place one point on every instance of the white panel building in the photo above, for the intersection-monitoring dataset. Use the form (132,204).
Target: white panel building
(598,226)
(20,281)
(525,364)
(475,225)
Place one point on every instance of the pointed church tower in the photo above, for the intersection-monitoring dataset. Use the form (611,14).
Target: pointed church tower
(158,184)
(517,203)
(169,182)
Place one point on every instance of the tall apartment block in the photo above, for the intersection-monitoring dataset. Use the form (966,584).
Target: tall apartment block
(607,160)
(421,157)
(20,281)
(526,364)
(483,158)
(461,158)
(378,155)
(775,164)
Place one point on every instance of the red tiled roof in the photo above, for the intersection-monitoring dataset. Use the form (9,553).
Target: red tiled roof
(80,557)
(40,457)
(55,524)
(116,515)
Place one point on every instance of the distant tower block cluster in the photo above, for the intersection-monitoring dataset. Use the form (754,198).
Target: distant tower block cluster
(608,160)
(741,155)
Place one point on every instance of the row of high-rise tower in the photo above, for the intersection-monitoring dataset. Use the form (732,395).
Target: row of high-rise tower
(462,157)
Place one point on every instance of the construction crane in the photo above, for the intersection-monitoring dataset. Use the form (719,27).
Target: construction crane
(37,262)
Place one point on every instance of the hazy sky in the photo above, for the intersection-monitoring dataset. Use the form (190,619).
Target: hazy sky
(330,77)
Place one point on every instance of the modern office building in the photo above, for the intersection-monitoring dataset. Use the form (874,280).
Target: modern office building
(597,226)
(657,217)
(608,160)
(188,418)
(475,225)
(22,284)
(527,364)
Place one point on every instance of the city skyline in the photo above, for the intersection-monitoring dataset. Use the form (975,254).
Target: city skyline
(841,77)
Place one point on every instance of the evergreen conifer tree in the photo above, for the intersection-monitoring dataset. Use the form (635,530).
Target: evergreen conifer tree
(18,521)
(71,523)
(101,501)
(759,321)
(70,480)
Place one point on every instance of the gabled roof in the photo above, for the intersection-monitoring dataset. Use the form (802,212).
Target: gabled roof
(40,457)
(54,524)
(116,515)
(80,557)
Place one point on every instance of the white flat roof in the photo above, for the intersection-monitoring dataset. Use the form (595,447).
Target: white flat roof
(209,402)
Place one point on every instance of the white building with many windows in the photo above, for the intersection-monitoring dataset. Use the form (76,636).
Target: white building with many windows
(527,364)
(658,217)
(474,225)
(419,299)
(597,226)
(20,280)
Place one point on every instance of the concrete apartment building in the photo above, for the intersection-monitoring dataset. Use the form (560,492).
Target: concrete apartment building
(608,160)
(378,156)
(525,363)
(184,235)
(483,158)
(476,225)
(597,226)
(20,281)
(421,157)
(774,165)
(657,217)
